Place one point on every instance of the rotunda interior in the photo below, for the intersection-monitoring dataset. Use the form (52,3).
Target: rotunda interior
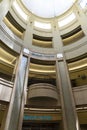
(43,65)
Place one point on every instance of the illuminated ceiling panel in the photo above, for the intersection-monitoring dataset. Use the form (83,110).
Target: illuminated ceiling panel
(19,10)
(48,8)
(66,20)
(83,3)
(6,57)
(42,25)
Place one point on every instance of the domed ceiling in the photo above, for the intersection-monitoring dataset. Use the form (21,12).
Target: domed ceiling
(48,8)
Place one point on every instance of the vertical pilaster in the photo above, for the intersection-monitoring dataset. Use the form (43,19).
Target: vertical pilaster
(28,34)
(57,42)
(4,7)
(81,16)
(69,115)
(16,105)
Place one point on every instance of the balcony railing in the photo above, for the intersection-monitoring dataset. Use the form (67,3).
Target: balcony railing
(5,90)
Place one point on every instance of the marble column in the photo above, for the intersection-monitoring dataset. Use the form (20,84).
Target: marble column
(69,114)
(16,106)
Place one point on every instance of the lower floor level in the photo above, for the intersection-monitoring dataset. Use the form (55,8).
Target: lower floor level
(46,126)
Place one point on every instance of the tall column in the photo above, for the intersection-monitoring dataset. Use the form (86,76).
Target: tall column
(69,115)
(16,105)
(23,98)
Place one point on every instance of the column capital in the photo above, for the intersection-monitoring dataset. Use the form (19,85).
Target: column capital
(26,51)
(60,56)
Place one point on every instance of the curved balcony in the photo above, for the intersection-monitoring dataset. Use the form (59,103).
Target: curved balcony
(5,90)
(42,94)
(80,95)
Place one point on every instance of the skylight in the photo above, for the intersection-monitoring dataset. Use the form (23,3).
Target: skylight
(67,20)
(83,3)
(19,10)
(42,25)
(48,8)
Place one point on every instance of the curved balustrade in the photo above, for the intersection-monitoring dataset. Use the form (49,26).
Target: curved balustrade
(5,90)
(10,34)
(75,50)
(41,90)
(71,51)
(43,94)
(80,95)
(9,41)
